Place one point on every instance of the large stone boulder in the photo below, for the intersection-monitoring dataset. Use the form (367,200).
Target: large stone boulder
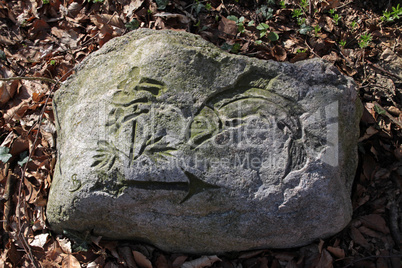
(165,139)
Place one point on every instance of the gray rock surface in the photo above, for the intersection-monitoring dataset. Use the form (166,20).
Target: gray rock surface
(166,139)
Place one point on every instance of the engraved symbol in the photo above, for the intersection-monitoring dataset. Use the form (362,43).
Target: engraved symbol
(76,183)
(114,183)
(140,102)
(192,187)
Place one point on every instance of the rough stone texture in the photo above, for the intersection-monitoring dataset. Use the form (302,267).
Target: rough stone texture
(166,139)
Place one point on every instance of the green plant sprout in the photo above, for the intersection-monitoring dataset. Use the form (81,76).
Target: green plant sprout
(297,13)
(45,2)
(332,11)
(270,2)
(353,25)
(317,28)
(365,40)
(282,4)
(304,4)
(208,6)
(397,11)
(342,43)
(301,50)
(389,16)
(301,21)
(239,22)
(52,62)
(336,18)
(266,12)
(263,28)
(98,1)
(198,6)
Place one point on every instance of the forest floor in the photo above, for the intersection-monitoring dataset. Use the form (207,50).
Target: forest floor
(42,40)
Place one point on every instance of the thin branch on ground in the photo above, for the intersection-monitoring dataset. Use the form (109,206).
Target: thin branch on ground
(29,78)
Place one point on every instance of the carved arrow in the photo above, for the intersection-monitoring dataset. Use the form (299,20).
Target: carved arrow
(192,187)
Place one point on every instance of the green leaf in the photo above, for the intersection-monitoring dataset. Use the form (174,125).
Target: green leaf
(4,155)
(23,158)
(304,29)
(162,4)
(226,46)
(233,18)
(2,55)
(258,42)
(251,23)
(240,27)
(241,19)
(378,110)
(80,239)
(272,36)
(236,47)
(262,26)
(198,8)
(133,25)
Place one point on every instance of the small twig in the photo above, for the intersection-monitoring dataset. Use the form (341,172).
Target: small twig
(6,196)
(29,78)
(344,5)
(375,66)
(312,50)
(28,250)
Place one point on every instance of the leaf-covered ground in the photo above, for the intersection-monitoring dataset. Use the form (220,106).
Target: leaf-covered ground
(42,40)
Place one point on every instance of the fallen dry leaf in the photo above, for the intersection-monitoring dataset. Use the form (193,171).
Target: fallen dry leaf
(370,131)
(131,7)
(204,261)
(181,18)
(7,88)
(69,261)
(161,262)
(141,260)
(64,244)
(299,56)
(359,238)
(40,240)
(337,252)
(178,261)
(127,255)
(325,260)
(279,53)
(227,26)
(375,222)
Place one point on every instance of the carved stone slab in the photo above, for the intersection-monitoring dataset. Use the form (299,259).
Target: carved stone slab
(166,139)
